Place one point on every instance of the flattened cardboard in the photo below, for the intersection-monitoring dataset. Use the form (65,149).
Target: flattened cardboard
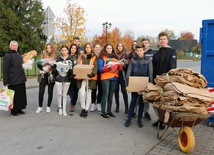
(137,83)
(81,71)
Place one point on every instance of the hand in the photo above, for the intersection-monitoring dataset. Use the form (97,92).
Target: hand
(73,75)
(90,75)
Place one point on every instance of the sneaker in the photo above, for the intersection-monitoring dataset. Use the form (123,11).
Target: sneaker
(110,114)
(127,123)
(85,114)
(162,126)
(64,113)
(98,107)
(147,116)
(155,124)
(39,109)
(72,108)
(48,110)
(93,107)
(104,115)
(140,124)
(82,113)
(60,111)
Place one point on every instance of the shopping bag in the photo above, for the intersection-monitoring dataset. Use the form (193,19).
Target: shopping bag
(6,99)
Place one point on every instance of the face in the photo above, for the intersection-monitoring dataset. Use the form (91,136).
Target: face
(109,49)
(140,52)
(146,44)
(88,49)
(64,51)
(120,47)
(14,46)
(163,41)
(76,41)
(134,45)
(48,48)
(73,50)
(97,49)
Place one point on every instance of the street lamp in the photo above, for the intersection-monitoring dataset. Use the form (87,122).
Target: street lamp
(106,26)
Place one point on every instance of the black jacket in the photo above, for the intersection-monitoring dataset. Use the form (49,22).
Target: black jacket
(13,73)
(164,60)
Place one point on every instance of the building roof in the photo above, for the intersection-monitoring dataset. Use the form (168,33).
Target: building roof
(185,45)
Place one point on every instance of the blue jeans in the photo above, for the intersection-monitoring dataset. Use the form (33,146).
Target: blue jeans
(134,99)
(108,87)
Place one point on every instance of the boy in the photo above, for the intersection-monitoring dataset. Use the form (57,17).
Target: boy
(163,61)
(138,66)
(149,54)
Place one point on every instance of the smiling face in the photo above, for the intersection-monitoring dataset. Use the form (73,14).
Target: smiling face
(73,50)
(48,48)
(88,49)
(109,49)
(14,46)
(97,49)
(163,41)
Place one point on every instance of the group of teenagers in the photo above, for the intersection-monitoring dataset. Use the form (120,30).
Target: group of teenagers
(103,83)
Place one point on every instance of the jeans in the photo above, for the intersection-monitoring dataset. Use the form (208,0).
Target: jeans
(135,97)
(121,83)
(73,93)
(42,86)
(108,87)
(97,96)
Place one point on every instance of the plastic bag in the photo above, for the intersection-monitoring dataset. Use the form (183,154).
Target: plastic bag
(6,99)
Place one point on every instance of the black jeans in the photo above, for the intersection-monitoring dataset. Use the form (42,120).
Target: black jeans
(121,82)
(73,92)
(42,86)
(97,96)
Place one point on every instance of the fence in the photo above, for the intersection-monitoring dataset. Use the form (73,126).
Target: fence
(34,71)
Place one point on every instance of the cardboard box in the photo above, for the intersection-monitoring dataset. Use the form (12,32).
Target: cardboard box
(81,71)
(137,83)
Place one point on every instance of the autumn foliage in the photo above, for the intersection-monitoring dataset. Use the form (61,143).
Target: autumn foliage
(186,35)
(114,37)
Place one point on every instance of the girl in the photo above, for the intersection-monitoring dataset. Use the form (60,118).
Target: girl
(124,57)
(96,96)
(73,90)
(45,76)
(133,51)
(64,66)
(109,78)
(87,57)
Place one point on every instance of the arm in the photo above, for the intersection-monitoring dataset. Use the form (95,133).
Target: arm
(6,68)
(150,72)
(173,60)
(129,73)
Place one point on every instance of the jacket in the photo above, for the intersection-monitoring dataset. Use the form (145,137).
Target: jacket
(67,78)
(140,67)
(13,73)
(164,60)
(85,59)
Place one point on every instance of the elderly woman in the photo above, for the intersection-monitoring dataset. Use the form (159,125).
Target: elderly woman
(14,77)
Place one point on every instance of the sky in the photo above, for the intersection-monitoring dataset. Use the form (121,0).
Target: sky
(142,17)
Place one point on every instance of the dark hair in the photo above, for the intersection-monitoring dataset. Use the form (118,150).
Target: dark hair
(96,44)
(76,38)
(139,46)
(162,34)
(104,52)
(76,49)
(64,46)
(135,41)
(145,39)
(123,51)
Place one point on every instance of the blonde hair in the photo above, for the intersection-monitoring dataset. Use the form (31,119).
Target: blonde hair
(45,52)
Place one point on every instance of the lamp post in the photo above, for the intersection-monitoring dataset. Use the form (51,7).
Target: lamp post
(107,26)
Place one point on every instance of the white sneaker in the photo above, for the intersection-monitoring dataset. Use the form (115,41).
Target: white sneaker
(48,110)
(39,109)
(64,113)
(98,107)
(60,111)
(93,107)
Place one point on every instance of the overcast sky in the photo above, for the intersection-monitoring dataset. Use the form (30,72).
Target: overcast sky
(142,17)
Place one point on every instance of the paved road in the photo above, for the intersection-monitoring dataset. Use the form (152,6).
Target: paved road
(33,134)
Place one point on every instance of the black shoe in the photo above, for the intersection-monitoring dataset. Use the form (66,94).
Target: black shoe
(104,115)
(85,114)
(134,115)
(140,124)
(147,116)
(162,126)
(14,113)
(82,113)
(21,112)
(110,114)
(127,123)
(155,124)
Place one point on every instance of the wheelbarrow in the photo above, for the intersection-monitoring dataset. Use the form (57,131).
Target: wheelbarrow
(184,120)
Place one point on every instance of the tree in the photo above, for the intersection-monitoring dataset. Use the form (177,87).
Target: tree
(153,40)
(73,25)
(21,21)
(114,37)
(186,35)
(170,33)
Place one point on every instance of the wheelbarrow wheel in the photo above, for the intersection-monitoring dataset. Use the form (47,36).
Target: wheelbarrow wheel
(186,139)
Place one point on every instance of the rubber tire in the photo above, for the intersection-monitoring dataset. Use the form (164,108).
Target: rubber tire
(188,143)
